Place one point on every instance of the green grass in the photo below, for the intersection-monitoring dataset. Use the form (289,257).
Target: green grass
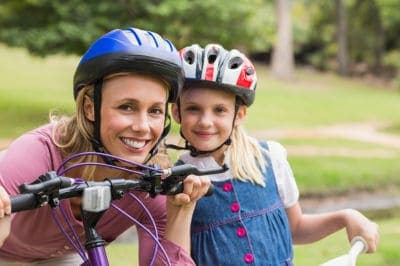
(121,254)
(332,143)
(319,99)
(337,244)
(30,88)
(330,175)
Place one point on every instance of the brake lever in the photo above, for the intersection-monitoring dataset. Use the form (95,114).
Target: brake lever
(173,184)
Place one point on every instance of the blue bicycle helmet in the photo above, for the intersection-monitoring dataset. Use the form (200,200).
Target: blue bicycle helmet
(130,50)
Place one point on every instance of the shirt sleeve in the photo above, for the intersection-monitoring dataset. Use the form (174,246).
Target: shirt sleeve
(285,179)
(25,160)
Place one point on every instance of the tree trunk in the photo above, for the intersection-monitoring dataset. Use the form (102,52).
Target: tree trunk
(282,54)
(380,40)
(341,24)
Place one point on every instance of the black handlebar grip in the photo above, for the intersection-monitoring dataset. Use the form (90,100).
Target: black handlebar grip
(210,191)
(23,202)
(179,189)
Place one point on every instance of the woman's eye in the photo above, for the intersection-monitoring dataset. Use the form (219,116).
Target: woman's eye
(126,107)
(157,111)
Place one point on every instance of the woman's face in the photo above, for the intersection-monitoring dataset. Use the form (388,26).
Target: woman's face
(207,117)
(132,115)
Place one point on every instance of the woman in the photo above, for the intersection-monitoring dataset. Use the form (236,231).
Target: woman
(122,87)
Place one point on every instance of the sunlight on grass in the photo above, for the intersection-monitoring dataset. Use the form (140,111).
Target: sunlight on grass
(331,143)
(330,175)
(31,87)
(337,244)
(123,254)
(316,98)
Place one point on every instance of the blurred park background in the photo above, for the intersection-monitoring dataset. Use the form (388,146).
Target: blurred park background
(328,89)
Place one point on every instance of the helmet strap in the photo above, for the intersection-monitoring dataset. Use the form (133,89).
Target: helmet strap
(96,141)
(167,127)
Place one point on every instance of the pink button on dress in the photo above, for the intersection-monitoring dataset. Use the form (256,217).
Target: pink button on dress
(227,187)
(248,258)
(235,207)
(241,232)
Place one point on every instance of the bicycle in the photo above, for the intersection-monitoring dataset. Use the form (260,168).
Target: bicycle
(97,197)
(358,246)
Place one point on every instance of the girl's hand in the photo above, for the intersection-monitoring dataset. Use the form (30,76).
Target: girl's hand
(5,203)
(194,187)
(359,225)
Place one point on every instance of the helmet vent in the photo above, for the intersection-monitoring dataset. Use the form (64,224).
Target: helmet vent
(235,62)
(212,58)
(189,57)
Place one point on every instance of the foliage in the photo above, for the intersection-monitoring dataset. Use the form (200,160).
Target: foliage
(47,27)
(372,31)
(71,26)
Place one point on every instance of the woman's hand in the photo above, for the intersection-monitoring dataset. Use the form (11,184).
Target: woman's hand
(5,211)
(5,203)
(359,225)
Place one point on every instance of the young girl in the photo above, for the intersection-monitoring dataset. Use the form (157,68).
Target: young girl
(122,87)
(254,214)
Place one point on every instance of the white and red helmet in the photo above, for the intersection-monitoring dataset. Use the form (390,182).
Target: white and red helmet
(218,68)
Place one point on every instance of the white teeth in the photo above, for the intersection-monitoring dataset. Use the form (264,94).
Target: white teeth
(133,143)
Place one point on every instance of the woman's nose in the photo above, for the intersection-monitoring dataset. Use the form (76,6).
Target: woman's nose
(140,123)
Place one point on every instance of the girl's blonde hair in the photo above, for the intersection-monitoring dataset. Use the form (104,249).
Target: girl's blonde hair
(246,157)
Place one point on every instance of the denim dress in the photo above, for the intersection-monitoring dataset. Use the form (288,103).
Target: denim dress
(242,224)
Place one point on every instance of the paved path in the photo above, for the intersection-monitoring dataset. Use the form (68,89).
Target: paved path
(364,132)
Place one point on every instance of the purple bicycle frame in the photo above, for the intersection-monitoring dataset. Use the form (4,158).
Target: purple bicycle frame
(97,257)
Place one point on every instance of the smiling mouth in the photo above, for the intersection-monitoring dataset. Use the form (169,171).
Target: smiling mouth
(134,144)
(204,134)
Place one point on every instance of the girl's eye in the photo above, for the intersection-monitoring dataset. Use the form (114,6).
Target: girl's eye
(220,109)
(192,108)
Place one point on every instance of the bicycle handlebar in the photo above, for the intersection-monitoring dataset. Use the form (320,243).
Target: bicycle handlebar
(50,188)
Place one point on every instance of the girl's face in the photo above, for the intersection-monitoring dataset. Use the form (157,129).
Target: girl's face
(207,117)
(132,115)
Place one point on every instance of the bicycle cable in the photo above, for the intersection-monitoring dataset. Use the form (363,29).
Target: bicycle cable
(74,240)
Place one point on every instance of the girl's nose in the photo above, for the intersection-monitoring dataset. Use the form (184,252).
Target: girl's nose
(206,119)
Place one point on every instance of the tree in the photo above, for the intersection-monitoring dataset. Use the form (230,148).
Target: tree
(341,26)
(46,27)
(282,56)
